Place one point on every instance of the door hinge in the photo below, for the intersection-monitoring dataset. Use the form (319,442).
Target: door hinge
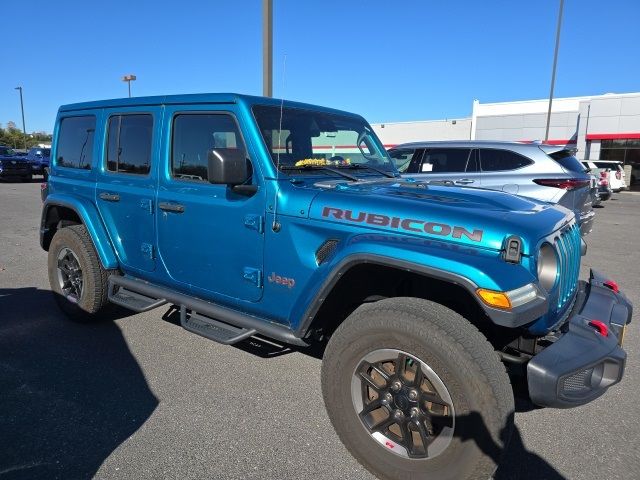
(147,204)
(253,275)
(254,222)
(147,250)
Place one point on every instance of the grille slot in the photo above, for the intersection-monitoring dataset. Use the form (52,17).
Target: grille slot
(578,382)
(325,250)
(567,246)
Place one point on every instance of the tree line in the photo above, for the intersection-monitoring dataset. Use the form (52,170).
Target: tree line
(13,137)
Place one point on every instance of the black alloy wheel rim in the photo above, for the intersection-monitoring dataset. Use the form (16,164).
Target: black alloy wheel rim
(70,277)
(403,404)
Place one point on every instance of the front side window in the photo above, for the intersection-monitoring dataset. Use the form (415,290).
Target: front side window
(495,160)
(194,135)
(75,142)
(298,137)
(445,160)
(129,143)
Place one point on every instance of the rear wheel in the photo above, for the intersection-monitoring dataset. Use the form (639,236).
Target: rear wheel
(78,280)
(415,391)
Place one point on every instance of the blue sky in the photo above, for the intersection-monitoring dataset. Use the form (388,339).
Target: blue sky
(390,61)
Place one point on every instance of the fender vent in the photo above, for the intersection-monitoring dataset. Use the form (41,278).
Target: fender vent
(325,250)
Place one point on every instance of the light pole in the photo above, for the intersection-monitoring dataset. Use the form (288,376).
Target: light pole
(129,79)
(553,72)
(24,129)
(267,48)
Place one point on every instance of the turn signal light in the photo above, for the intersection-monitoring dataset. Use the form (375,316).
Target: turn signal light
(494,299)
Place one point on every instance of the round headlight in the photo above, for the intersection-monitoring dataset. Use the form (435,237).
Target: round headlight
(547,267)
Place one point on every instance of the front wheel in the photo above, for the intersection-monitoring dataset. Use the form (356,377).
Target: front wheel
(415,391)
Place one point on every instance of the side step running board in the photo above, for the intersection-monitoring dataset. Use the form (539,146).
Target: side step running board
(212,321)
(212,329)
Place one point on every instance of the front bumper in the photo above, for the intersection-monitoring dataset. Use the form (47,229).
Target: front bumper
(582,363)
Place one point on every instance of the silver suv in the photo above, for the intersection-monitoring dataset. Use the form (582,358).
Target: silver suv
(544,172)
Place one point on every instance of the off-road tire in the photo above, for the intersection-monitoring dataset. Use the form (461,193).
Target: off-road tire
(463,359)
(91,306)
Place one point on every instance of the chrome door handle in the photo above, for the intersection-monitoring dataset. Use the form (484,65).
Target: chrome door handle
(110,197)
(171,207)
(464,181)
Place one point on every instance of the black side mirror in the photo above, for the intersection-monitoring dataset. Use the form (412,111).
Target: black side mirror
(227,166)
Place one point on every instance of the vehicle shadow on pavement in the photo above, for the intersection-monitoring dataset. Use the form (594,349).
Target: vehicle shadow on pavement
(69,394)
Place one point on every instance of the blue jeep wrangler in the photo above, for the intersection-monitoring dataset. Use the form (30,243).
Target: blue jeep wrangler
(261,217)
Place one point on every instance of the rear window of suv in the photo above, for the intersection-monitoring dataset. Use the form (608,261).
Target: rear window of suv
(568,161)
(75,142)
(496,160)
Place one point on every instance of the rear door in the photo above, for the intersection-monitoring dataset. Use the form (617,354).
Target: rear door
(504,170)
(125,191)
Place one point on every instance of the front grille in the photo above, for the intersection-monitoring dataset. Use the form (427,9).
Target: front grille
(567,246)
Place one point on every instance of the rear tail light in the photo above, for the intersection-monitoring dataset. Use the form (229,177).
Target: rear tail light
(619,175)
(564,183)
(604,182)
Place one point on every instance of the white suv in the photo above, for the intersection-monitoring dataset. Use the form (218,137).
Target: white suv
(616,176)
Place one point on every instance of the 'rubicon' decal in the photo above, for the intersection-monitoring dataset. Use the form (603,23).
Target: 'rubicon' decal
(406,224)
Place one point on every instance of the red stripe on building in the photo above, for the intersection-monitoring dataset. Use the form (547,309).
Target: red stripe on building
(611,136)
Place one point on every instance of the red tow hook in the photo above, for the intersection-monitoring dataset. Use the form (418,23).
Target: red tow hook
(612,285)
(601,327)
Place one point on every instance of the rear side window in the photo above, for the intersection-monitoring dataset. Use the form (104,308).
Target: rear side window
(75,142)
(445,160)
(193,136)
(568,161)
(129,143)
(402,158)
(495,160)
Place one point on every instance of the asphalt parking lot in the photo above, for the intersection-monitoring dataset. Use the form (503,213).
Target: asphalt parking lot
(141,398)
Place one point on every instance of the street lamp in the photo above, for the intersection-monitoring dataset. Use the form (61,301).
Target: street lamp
(129,79)
(553,72)
(24,130)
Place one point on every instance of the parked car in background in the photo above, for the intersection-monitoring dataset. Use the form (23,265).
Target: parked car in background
(617,179)
(543,172)
(12,166)
(39,159)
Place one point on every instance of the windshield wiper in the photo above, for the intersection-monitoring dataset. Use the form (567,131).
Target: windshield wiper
(359,166)
(320,167)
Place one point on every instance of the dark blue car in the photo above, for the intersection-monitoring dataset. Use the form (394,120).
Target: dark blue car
(12,166)
(39,159)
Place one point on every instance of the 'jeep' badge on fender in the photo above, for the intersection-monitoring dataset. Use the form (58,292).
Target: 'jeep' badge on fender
(286,281)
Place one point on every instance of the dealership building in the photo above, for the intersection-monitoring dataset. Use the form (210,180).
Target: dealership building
(600,127)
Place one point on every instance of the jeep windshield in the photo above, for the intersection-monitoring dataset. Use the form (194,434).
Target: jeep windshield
(310,141)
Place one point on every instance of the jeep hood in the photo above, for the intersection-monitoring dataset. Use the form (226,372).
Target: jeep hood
(463,215)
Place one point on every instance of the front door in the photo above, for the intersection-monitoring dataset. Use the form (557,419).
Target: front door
(210,238)
(459,165)
(126,184)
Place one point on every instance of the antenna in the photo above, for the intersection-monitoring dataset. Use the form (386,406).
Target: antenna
(275,226)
